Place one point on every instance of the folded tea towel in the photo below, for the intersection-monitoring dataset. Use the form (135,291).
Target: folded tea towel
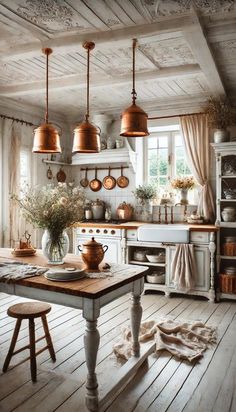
(13,270)
(183,267)
(181,339)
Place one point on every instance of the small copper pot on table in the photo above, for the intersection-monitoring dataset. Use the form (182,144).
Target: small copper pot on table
(92,254)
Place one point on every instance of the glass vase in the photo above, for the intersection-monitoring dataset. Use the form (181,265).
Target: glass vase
(55,252)
(184,196)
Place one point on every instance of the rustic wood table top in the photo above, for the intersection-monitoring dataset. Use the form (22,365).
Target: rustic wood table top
(86,287)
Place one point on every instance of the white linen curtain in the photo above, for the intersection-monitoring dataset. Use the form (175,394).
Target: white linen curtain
(197,146)
(12,225)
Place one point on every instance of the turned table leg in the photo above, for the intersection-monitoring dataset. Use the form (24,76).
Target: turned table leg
(136,316)
(91,345)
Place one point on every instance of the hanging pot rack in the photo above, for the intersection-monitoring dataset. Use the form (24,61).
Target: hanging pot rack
(103,168)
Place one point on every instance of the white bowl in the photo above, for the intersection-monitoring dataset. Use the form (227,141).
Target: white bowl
(156,258)
(154,278)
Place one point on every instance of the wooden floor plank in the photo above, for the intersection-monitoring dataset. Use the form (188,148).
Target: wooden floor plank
(215,374)
(161,384)
(227,313)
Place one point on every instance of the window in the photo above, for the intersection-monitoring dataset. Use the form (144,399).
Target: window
(24,167)
(164,158)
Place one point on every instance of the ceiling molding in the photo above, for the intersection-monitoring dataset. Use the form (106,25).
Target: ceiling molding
(197,41)
(163,107)
(79,82)
(118,38)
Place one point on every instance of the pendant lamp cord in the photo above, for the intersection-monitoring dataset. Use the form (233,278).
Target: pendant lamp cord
(47,52)
(134,94)
(88,61)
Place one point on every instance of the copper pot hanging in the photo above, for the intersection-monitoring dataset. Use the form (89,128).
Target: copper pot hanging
(122,181)
(109,182)
(95,184)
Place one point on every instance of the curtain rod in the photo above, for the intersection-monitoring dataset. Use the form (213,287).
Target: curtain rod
(3,116)
(174,115)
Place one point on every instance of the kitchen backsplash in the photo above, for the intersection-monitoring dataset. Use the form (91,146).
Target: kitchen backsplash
(115,196)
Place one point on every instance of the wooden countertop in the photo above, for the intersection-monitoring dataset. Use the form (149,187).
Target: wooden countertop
(135,225)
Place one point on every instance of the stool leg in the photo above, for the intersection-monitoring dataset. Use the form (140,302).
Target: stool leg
(48,338)
(12,345)
(33,366)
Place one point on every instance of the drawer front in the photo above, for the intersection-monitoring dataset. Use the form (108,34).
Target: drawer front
(199,237)
(131,234)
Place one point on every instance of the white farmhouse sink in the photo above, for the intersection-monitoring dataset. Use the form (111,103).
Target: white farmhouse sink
(175,233)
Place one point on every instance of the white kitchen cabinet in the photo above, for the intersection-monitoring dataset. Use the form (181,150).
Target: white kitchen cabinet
(202,275)
(204,248)
(225,182)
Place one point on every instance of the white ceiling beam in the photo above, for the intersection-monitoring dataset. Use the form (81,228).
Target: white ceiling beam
(201,50)
(79,82)
(104,39)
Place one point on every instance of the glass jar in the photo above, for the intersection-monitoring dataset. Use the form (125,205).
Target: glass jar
(55,251)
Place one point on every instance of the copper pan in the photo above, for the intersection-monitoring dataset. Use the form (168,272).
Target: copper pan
(84,182)
(109,182)
(95,184)
(122,181)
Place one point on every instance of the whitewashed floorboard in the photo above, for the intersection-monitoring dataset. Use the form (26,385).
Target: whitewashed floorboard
(161,384)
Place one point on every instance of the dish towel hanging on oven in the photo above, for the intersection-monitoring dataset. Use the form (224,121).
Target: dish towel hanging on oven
(183,267)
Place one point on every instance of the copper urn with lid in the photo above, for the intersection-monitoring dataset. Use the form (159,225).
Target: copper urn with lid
(92,254)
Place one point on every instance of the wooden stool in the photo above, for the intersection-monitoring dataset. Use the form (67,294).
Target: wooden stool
(30,310)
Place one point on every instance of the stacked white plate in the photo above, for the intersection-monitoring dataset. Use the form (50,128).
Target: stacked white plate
(64,275)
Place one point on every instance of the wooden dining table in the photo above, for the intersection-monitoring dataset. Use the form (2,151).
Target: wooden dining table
(89,294)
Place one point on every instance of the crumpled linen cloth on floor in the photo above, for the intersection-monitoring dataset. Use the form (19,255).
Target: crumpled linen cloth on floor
(183,267)
(181,339)
(13,270)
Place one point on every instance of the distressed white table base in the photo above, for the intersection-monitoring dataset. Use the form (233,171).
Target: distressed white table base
(91,310)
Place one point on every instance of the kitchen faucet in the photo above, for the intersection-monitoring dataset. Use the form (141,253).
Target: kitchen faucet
(166,214)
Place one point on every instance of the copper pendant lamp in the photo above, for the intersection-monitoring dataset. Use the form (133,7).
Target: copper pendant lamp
(134,119)
(87,135)
(46,136)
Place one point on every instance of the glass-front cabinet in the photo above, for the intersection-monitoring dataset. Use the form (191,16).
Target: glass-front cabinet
(226,218)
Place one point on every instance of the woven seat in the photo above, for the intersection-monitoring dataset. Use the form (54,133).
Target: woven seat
(30,311)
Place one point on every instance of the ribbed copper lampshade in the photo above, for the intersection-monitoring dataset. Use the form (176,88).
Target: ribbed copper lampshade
(134,122)
(46,139)
(86,138)
(134,119)
(86,135)
(46,136)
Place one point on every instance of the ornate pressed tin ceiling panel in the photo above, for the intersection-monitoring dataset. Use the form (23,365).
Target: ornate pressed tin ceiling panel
(49,15)
(163,8)
(168,69)
(172,52)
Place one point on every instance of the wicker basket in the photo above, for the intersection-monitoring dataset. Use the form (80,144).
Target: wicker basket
(228,283)
(229,249)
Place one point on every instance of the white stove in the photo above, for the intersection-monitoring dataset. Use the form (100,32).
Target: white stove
(105,235)
(99,231)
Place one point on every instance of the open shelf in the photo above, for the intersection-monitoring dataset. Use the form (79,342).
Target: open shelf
(228,177)
(228,257)
(136,262)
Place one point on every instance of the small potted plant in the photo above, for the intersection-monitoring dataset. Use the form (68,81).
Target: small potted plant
(221,115)
(144,194)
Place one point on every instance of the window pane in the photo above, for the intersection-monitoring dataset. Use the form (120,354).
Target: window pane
(24,168)
(180,168)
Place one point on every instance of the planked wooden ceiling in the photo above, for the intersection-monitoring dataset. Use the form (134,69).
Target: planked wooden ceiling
(186,52)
